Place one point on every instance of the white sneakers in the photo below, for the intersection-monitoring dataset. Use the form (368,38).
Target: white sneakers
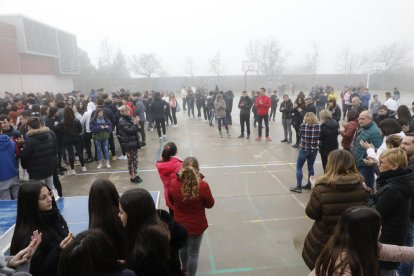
(122,157)
(83,169)
(99,165)
(71,172)
(108,166)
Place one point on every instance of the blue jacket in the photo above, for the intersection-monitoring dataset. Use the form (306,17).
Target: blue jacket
(369,133)
(140,110)
(365,99)
(8,164)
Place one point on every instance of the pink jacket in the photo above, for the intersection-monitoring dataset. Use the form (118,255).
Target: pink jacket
(387,252)
(168,171)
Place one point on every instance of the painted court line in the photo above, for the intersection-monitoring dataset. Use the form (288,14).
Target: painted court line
(202,167)
(274,219)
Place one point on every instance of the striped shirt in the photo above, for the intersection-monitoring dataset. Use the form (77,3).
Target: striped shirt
(309,135)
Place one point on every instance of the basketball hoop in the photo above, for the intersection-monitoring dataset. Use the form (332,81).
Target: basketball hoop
(249,66)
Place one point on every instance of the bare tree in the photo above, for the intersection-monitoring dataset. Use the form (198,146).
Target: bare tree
(119,68)
(395,55)
(215,65)
(253,50)
(87,69)
(145,64)
(350,63)
(106,59)
(272,58)
(189,67)
(312,60)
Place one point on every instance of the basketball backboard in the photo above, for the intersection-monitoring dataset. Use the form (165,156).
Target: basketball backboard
(378,66)
(250,66)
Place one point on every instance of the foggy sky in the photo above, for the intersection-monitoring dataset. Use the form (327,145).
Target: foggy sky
(181,29)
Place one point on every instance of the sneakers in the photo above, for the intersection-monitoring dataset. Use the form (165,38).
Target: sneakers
(284,140)
(108,166)
(71,172)
(114,158)
(268,139)
(241,136)
(122,157)
(137,180)
(295,146)
(143,145)
(258,139)
(307,187)
(164,138)
(248,136)
(99,165)
(290,141)
(296,190)
(83,169)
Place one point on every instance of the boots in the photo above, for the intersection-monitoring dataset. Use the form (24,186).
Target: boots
(221,135)
(228,133)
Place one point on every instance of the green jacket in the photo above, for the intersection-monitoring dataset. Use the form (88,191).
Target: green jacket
(369,133)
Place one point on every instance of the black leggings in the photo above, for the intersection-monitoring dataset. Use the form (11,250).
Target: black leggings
(174,111)
(79,150)
(160,123)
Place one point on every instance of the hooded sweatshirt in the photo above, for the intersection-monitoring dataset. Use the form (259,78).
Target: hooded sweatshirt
(86,118)
(8,164)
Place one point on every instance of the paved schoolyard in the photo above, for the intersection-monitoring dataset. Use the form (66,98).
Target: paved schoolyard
(257,227)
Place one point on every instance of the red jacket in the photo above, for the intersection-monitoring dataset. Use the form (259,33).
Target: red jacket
(168,171)
(348,134)
(191,213)
(263,108)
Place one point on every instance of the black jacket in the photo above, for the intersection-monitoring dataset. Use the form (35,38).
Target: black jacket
(310,108)
(297,117)
(287,109)
(128,133)
(336,113)
(380,118)
(328,136)
(157,108)
(72,133)
(46,259)
(393,201)
(245,104)
(274,100)
(39,155)
(56,125)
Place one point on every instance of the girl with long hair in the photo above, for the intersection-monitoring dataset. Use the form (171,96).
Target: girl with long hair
(190,195)
(72,129)
(348,129)
(168,167)
(91,253)
(37,210)
(101,128)
(339,188)
(151,243)
(354,249)
(173,104)
(328,137)
(309,133)
(103,208)
(128,129)
(157,109)
(220,106)
(297,119)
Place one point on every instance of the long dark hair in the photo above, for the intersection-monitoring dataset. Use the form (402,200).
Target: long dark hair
(403,114)
(103,207)
(170,149)
(68,118)
(354,244)
(146,233)
(28,216)
(52,111)
(302,103)
(91,253)
(96,113)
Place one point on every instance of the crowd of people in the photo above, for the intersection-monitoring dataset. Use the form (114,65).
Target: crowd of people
(127,235)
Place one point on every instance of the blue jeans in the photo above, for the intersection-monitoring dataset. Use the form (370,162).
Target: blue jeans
(224,121)
(304,156)
(102,146)
(367,173)
(406,269)
(189,254)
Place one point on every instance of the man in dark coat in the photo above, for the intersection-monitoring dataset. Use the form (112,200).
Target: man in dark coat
(245,104)
(39,154)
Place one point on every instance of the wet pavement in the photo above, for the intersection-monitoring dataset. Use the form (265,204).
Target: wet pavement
(256,227)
